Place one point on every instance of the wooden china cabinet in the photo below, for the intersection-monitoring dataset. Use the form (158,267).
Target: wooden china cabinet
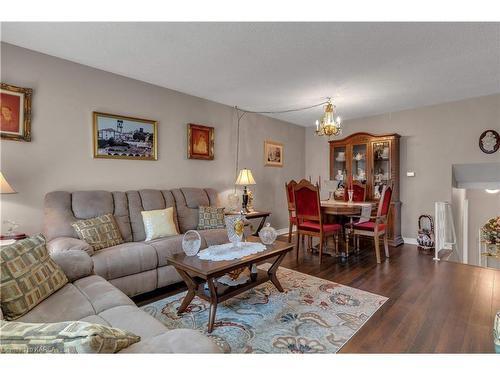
(372,160)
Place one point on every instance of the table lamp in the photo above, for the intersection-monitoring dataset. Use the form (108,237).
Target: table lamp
(244,179)
(5,188)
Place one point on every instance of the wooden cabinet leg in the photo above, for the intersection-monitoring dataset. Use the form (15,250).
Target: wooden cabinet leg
(298,247)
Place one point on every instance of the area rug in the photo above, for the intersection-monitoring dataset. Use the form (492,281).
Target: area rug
(312,316)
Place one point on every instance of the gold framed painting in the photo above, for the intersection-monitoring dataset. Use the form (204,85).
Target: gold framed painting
(273,154)
(200,142)
(123,137)
(15,112)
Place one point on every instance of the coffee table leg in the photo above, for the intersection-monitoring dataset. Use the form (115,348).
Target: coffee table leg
(192,286)
(272,272)
(213,304)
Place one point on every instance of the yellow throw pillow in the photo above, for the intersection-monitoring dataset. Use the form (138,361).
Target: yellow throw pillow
(159,223)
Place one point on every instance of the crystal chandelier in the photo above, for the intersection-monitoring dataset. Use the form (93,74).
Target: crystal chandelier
(329,125)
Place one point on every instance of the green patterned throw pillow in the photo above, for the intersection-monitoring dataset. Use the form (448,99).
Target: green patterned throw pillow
(211,217)
(63,337)
(28,276)
(99,232)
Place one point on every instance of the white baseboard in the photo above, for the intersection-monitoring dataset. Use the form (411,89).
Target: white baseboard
(282,231)
(410,241)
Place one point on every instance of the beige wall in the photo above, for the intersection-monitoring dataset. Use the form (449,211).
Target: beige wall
(433,138)
(60,155)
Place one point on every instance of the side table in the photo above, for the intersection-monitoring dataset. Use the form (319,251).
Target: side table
(263,215)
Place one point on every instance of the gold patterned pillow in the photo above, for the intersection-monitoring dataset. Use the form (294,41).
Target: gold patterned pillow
(99,232)
(28,276)
(211,217)
(63,337)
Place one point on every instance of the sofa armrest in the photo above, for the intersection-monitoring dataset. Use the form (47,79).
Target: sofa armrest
(68,243)
(75,264)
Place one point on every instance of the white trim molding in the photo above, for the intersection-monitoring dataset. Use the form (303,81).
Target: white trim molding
(410,241)
(283,231)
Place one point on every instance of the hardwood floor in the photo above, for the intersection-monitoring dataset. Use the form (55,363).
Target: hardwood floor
(433,307)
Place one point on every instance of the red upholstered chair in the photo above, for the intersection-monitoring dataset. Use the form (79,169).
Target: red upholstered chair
(292,219)
(377,225)
(358,192)
(309,218)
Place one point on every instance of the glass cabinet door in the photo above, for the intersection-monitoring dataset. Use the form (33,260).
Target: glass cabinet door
(340,163)
(381,167)
(359,164)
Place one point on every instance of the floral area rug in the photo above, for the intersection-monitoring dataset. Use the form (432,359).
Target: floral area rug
(312,315)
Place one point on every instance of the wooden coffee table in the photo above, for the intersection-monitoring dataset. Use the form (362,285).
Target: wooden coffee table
(195,272)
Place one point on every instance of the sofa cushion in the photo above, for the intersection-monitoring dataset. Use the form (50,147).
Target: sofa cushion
(99,232)
(159,223)
(146,200)
(63,337)
(101,294)
(175,341)
(187,201)
(28,276)
(60,244)
(65,304)
(124,259)
(210,217)
(133,319)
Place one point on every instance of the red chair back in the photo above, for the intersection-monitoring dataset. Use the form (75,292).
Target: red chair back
(359,192)
(385,201)
(307,201)
(289,194)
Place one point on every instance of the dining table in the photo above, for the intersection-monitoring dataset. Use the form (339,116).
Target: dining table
(342,210)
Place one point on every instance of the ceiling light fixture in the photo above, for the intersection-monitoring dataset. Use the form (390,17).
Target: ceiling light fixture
(492,191)
(329,125)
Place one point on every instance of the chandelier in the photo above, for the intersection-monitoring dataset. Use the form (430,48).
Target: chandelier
(329,125)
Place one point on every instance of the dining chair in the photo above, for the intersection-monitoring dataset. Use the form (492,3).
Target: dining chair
(309,218)
(292,219)
(358,192)
(376,226)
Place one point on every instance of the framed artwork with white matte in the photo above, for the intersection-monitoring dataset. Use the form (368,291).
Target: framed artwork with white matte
(15,112)
(273,154)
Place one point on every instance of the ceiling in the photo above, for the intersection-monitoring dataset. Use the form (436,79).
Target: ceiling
(368,68)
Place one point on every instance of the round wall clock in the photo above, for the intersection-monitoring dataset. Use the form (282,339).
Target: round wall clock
(489,141)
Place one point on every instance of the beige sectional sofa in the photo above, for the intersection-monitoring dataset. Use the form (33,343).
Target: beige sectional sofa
(90,298)
(135,266)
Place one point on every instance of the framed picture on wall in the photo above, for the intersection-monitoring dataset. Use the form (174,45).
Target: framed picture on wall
(122,137)
(273,154)
(200,142)
(15,112)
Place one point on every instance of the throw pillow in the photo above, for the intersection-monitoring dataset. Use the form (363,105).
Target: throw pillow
(211,217)
(159,223)
(63,337)
(29,276)
(99,232)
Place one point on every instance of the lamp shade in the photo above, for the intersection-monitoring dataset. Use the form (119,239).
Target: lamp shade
(5,188)
(245,178)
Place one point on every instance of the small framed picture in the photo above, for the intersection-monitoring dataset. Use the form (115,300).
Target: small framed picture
(15,113)
(489,141)
(200,142)
(273,154)
(122,137)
